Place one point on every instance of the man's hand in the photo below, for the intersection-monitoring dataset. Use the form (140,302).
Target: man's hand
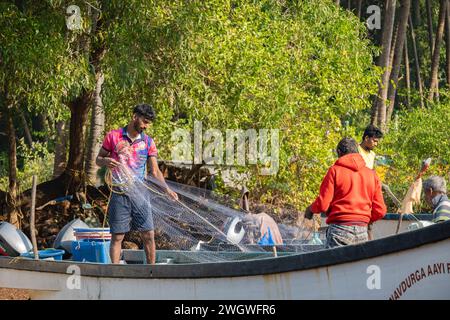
(104,160)
(308,213)
(111,163)
(172,194)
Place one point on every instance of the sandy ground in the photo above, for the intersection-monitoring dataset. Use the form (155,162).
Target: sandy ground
(13,294)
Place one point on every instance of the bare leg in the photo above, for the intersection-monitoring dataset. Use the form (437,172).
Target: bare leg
(116,247)
(148,237)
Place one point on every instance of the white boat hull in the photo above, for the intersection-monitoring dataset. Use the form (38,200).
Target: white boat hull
(421,270)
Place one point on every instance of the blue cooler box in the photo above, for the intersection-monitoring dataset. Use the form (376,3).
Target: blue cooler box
(91,251)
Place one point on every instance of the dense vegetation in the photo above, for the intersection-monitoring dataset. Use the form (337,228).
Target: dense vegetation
(307,68)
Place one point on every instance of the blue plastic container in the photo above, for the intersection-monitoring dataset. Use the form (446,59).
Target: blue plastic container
(47,254)
(91,251)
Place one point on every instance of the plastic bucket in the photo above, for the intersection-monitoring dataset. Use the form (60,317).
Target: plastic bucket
(92,233)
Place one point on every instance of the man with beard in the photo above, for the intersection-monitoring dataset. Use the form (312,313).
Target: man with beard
(130,150)
(370,139)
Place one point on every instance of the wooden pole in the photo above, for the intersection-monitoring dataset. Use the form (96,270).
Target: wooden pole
(32,219)
(274,249)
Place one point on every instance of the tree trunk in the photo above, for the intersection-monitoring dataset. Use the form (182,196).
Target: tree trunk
(407,74)
(398,55)
(393,42)
(384,63)
(40,124)
(96,131)
(416,63)
(12,207)
(447,43)
(359,6)
(26,129)
(434,90)
(71,180)
(337,2)
(79,111)
(97,114)
(59,164)
(416,12)
(430,27)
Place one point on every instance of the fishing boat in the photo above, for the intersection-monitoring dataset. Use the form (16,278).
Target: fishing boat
(413,264)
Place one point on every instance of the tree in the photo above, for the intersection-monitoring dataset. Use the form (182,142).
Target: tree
(416,63)
(436,51)
(60,161)
(407,74)
(13,210)
(398,55)
(222,68)
(430,27)
(379,109)
(231,64)
(447,42)
(416,12)
(98,114)
(96,129)
(36,69)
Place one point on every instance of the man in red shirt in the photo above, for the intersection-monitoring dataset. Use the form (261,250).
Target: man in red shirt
(350,196)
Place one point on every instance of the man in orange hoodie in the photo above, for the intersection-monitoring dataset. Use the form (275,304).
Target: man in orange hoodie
(350,196)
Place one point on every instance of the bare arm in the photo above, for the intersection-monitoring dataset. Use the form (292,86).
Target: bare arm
(103,159)
(154,171)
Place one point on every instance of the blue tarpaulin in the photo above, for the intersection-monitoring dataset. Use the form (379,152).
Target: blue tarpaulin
(266,239)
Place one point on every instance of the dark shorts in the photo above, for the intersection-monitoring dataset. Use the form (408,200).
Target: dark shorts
(125,215)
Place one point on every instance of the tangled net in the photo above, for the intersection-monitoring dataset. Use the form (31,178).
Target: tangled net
(202,226)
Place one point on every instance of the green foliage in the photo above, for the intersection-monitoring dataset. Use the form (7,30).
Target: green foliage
(37,161)
(419,134)
(38,68)
(300,67)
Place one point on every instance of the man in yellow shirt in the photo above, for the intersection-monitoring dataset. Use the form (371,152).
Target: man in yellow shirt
(371,137)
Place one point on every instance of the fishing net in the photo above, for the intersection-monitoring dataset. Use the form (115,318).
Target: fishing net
(203,226)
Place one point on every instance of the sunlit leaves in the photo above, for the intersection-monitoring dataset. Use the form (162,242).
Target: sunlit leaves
(300,67)
(38,69)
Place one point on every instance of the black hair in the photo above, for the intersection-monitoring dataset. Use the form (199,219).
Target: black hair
(372,132)
(145,110)
(346,146)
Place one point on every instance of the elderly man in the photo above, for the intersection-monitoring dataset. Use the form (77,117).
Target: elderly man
(350,195)
(435,191)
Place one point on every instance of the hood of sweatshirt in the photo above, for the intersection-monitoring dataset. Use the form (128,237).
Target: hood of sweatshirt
(353,161)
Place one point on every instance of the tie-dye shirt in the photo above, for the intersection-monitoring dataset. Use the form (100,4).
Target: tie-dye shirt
(134,154)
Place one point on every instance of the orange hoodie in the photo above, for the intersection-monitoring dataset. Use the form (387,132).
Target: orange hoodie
(350,193)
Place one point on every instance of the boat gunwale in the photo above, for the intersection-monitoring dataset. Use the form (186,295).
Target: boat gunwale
(266,266)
